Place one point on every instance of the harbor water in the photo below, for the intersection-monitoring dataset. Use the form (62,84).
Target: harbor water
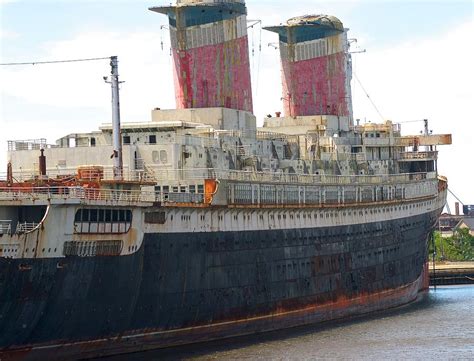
(441,326)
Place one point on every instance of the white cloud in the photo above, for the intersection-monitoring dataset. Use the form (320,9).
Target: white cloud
(81,84)
(6,34)
(69,90)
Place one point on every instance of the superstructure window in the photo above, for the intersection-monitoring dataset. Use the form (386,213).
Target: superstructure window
(93,215)
(94,221)
(126,139)
(163,156)
(152,139)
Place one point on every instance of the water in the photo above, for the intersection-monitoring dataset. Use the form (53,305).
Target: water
(439,327)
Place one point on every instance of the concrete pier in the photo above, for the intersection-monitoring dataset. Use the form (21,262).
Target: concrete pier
(452,273)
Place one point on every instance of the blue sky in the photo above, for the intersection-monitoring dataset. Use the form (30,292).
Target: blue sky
(417,65)
(36,22)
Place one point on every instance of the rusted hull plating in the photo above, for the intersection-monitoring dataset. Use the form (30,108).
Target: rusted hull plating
(155,339)
(187,288)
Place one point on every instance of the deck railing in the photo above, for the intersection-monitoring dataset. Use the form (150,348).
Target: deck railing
(243,185)
(78,193)
(5,227)
(94,194)
(157,175)
(418,155)
(25,227)
(140,176)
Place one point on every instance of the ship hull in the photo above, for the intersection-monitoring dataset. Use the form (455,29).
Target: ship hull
(192,287)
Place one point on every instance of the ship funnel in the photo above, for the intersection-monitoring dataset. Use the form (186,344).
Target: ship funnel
(316,66)
(211,55)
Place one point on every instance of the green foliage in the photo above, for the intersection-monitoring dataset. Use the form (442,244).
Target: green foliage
(459,247)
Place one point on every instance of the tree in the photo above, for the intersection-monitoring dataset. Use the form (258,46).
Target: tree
(459,247)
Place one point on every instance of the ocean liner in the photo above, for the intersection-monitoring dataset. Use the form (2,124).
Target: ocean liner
(197,225)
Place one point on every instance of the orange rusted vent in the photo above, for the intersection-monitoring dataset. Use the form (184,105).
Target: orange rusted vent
(90,172)
(210,189)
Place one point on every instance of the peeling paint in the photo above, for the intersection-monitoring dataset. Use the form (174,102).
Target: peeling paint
(214,76)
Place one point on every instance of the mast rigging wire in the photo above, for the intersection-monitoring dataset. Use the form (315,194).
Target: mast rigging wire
(55,61)
(455,196)
(371,101)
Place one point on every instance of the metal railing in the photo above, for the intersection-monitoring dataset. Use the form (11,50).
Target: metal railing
(319,179)
(5,226)
(417,155)
(25,227)
(242,184)
(21,193)
(93,194)
(153,174)
(28,144)
(141,175)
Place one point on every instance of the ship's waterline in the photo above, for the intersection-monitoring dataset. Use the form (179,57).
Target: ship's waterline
(438,326)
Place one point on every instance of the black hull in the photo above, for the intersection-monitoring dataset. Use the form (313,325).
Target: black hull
(184,288)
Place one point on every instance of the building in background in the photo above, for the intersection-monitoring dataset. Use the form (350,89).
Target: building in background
(466,222)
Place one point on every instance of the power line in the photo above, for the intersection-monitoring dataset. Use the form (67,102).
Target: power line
(55,61)
(373,104)
(411,121)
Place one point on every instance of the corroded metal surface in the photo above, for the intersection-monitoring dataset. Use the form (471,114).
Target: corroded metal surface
(316,66)
(214,76)
(211,55)
(315,86)
(157,297)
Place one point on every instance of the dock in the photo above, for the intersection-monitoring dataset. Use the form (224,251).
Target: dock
(452,273)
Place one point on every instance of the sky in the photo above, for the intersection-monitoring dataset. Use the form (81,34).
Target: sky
(417,65)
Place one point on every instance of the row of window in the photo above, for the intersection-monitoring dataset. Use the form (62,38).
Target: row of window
(103,215)
(193,189)
(309,215)
(127,140)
